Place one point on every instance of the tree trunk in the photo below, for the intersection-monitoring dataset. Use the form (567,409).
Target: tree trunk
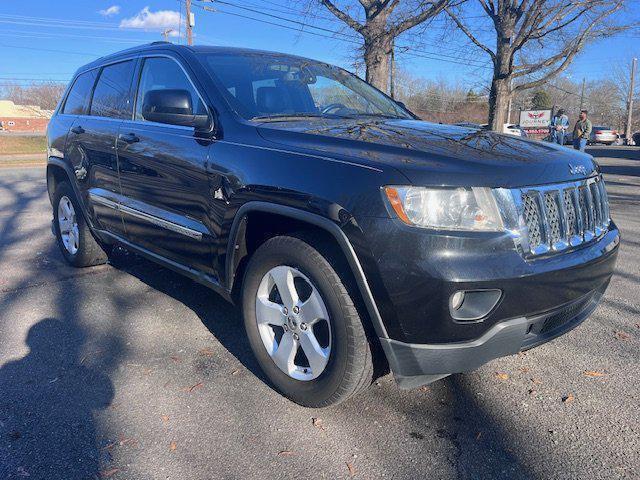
(376,57)
(498,103)
(500,93)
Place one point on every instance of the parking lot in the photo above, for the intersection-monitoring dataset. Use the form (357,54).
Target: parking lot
(128,371)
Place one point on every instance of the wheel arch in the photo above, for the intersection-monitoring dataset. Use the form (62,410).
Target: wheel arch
(240,246)
(59,171)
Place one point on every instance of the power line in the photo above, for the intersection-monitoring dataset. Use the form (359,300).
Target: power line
(308,25)
(341,36)
(68,52)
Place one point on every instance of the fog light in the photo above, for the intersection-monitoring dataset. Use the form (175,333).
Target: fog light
(457,299)
(473,305)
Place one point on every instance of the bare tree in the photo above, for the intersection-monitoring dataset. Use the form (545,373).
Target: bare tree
(43,95)
(535,40)
(383,21)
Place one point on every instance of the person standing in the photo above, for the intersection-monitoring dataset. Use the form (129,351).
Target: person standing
(559,126)
(582,131)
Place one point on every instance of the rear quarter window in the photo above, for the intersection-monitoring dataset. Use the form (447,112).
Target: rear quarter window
(112,95)
(77,102)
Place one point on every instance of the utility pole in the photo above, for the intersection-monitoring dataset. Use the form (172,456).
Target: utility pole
(189,22)
(630,100)
(392,70)
(582,95)
(510,101)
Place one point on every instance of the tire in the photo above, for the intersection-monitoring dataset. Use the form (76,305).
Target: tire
(84,250)
(349,366)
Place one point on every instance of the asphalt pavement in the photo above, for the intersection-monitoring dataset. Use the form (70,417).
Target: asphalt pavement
(128,371)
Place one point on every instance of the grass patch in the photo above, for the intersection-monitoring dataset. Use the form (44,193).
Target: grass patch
(15,145)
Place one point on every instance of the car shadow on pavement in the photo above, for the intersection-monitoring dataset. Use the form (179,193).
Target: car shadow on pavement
(479,440)
(47,400)
(222,319)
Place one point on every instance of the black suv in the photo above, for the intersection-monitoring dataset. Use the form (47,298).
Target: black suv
(352,233)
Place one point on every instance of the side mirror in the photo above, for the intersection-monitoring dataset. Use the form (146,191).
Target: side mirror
(173,107)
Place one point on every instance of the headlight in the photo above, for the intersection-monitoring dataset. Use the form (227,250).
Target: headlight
(446,208)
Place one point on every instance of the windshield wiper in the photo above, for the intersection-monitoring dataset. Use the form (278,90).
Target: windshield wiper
(284,116)
(381,115)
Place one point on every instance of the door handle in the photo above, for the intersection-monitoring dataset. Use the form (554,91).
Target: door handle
(77,129)
(129,137)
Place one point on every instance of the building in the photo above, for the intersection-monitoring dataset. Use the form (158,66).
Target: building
(23,118)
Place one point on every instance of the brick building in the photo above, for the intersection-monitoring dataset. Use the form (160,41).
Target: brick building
(23,118)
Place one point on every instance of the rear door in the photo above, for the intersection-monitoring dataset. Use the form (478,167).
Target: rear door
(163,174)
(91,144)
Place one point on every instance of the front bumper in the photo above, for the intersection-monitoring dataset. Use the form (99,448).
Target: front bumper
(418,364)
(415,274)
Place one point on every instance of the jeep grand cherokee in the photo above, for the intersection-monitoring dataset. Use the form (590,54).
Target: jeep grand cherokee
(351,233)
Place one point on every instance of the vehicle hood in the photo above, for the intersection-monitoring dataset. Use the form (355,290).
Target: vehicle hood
(434,154)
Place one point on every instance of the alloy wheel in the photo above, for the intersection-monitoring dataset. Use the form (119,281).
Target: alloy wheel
(68,224)
(293,323)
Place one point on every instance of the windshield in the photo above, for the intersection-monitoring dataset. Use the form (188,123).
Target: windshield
(277,87)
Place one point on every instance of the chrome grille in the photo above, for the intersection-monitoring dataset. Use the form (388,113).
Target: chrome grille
(557,217)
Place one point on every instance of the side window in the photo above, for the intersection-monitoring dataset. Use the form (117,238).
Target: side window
(160,73)
(77,102)
(111,97)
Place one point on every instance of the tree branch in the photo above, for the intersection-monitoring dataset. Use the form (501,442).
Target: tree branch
(345,17)
(468,33)
(568,53)
(435,8)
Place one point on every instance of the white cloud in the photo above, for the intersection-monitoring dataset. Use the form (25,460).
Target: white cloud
(162,19)
(109,12)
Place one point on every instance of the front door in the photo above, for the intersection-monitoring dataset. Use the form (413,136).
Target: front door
(163,175)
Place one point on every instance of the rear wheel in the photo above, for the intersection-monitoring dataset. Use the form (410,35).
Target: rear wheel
(303,326)
(74,238)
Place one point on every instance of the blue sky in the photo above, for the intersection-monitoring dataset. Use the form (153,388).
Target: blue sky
(44,39)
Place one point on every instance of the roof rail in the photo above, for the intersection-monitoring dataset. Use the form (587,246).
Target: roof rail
(159,42)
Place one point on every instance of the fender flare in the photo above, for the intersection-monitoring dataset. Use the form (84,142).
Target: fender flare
(322,222)
(59,162)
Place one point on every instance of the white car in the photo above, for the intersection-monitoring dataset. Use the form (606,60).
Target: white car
(511,129)
(604,135)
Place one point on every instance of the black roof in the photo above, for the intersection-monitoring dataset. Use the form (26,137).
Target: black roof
(160,45)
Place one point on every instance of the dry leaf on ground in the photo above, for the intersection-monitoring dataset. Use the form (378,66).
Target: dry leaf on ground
(317,422)
(622,335)
(285,453)
(207,352)
(593,373)
(122,440)
(502,376)
(173,446)
(352,469)
(193,387)
(568,398)
(108,473)
(165,418)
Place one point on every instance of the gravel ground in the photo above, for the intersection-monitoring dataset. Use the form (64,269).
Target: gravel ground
(128,371)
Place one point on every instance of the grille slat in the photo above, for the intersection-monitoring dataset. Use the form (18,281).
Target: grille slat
(553,217)
(563,216)
(532,219)
(571,224)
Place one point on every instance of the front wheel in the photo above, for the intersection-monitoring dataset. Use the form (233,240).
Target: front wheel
(303,325)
